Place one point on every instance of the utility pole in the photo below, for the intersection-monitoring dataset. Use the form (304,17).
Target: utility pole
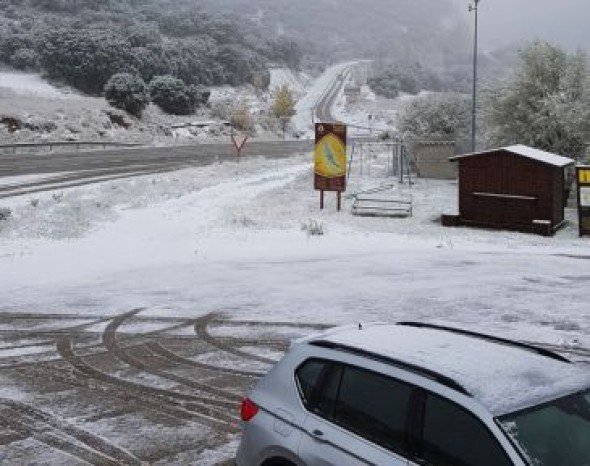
(474,7)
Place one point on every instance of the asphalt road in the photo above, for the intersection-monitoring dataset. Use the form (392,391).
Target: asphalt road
(77,168)
(323,111)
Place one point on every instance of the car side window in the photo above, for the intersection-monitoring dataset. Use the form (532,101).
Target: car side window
(374,406)
(318,382)
(453,437)
(308,376)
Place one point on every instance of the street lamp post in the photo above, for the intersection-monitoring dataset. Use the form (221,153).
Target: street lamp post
(473,7)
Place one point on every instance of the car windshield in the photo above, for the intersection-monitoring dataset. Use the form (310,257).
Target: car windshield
(555,433)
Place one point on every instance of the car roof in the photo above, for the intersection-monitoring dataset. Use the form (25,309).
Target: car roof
(502,376)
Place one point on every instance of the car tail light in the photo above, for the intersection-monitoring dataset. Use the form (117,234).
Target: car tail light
(249,409)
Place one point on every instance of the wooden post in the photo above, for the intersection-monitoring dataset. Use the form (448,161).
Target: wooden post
(339,201)
(322,199)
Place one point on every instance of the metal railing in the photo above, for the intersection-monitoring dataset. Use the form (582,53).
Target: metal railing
(70,144)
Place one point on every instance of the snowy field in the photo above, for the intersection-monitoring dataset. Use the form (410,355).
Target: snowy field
(121,323)
(230,238)
(136,312)
(30,85)
(296,82)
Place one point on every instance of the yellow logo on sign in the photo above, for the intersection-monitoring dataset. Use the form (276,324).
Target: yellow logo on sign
(584,176)
(330,157)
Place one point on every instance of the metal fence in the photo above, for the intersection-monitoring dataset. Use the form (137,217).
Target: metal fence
(49,146)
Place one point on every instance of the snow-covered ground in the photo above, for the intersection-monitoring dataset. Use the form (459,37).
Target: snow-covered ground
(235,239)
(30,85)
(47,112)
(296,82)
(231,237)
(7,181)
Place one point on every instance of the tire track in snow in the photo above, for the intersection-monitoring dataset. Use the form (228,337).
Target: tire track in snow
(202,331)
(170,403)
(34,421)
(110,342)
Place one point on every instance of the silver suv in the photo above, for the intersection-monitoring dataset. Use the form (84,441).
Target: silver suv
(417,394)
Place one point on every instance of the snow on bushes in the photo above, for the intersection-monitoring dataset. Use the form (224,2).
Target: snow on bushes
(127,92)
(173,96)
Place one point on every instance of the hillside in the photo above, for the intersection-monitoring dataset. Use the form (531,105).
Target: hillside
(84,42)
(420,30)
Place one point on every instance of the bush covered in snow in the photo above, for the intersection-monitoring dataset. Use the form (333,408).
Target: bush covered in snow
(444,116)
(127,92)
(241,117)
(173,96)
(25,59)
(313,228)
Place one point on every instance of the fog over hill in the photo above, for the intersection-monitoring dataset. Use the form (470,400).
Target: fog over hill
(563,22)
(426,30)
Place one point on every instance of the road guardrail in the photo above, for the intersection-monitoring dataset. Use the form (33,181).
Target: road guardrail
(70,144)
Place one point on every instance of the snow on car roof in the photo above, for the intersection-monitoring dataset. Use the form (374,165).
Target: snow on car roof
(503,378)
(528,152)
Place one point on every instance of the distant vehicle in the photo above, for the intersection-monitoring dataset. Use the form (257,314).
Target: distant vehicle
(417,395)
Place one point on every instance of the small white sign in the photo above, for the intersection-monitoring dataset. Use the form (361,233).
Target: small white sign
(585,196)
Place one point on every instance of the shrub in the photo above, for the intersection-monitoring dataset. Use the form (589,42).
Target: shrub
(127,92)
(241,118)
(313,228)
(444,116)
(25,59)
(173,96)
(5,213)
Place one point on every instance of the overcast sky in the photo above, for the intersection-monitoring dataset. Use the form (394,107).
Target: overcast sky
(566,22)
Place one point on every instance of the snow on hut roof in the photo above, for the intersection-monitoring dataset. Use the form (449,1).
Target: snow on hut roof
(528,152)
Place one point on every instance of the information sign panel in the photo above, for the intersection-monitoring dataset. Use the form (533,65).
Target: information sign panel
(330,157)
(583,181)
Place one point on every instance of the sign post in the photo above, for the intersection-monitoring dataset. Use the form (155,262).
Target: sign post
(330,160)
(583,182)
(239,143)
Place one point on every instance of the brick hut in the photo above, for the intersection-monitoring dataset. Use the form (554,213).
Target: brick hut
(514,188)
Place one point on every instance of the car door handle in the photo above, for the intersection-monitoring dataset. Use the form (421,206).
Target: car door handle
(420,461)
(318,435)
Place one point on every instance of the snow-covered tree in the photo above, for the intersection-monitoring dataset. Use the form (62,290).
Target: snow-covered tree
(284,104)
(127,92)
(546,105)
